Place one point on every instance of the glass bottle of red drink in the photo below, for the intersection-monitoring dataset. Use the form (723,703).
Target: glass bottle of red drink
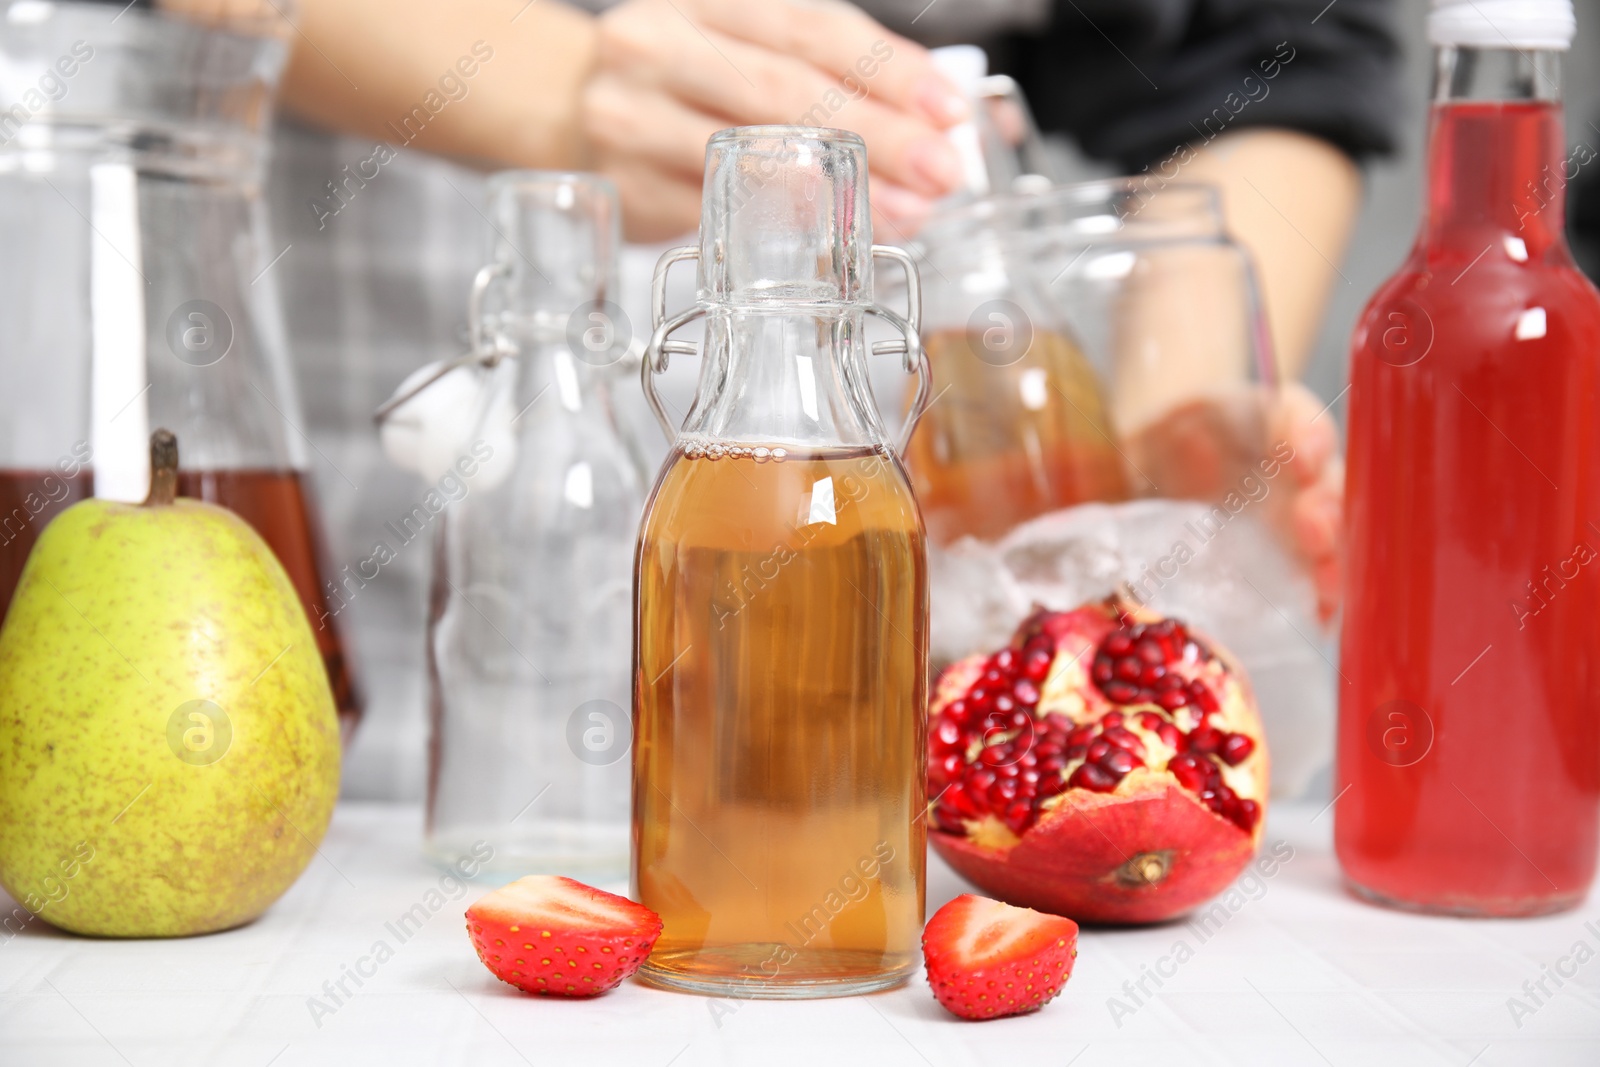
(1469,720)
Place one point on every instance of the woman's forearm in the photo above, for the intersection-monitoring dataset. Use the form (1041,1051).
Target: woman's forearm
(1291,200)
(492,80)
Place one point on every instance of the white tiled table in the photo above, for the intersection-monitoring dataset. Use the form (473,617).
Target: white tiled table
(1302,974)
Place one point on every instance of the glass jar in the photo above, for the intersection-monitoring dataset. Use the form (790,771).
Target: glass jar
(1020,423)
(528,630)
(780,656)
(138,286)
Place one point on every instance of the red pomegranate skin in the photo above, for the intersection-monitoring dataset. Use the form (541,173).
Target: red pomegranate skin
(1148,850)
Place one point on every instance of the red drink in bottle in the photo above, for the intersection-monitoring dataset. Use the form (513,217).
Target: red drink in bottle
(1469,719)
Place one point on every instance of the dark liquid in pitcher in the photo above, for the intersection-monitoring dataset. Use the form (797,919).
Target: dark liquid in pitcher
(276,502)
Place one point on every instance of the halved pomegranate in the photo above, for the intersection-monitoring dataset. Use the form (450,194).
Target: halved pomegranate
(1107,765)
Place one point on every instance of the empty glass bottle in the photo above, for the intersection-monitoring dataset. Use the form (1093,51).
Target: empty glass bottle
(528,642)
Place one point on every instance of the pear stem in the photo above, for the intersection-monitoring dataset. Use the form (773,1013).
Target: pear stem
(163,468)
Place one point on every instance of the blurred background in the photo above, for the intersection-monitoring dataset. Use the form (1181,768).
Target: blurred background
(355,294)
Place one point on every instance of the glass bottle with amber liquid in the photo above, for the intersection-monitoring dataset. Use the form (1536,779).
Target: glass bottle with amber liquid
(781,605)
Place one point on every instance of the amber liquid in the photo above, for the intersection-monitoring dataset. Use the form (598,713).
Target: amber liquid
(780,699)
(29,499)
(277,503)
(1004,444)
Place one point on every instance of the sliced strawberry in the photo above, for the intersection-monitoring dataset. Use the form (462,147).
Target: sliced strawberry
(987,959)
(560,938)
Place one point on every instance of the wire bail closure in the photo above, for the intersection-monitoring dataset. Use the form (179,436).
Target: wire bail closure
(484,354)
(909,346)
(483,351)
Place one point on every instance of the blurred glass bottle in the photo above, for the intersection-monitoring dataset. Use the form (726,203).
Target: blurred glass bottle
(530,610)
(138,290)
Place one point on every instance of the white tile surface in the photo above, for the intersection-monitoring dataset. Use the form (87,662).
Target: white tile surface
(1300,974)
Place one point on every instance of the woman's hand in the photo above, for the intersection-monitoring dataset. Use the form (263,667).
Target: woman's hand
(670,73)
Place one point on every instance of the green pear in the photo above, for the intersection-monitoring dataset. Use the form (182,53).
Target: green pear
(169,753)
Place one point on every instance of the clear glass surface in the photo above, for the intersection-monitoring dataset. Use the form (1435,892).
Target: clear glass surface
(528,636)
(137,290)
(780,660)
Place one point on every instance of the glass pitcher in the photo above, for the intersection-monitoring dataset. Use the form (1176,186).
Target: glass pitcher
(780,656)
(138,286)
(1020,424)
(528,630)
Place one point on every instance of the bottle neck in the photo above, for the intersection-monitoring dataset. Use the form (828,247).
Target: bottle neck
(786,376)
(1497,167)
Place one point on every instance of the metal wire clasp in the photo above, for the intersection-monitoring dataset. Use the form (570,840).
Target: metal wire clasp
(486,354)
(909,346)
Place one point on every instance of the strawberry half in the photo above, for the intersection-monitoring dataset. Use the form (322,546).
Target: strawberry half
(560,938)
(987,959)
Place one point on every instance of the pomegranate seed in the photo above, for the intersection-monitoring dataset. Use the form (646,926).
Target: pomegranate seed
(1236,748)
(1210,799)
(1119,761)
(1247,813)
(995,756)
(1111,718)
(948,736)
(1172,737)
(1093,777)
(1018,816)
(1036,665)
(1205,739)
(1004,704)
(980,699)
(1051,784)
(1152,675)
(1056,723)
(1076,752)
(1151,721)
(1046,749)
(1171,681)
(1098,750)
(1172,699)
(1028,778)
(1189,772)
(1005,661)
(950,766)
(1008,769)
(1002,792)
(1038,643)
(1025,693)
(1081,735)
(958,799)
(1118,644)
(958,712)
(1127,669)
(1052,764)
(995,679)
(1150,650)
(1124,739)
(948,820)
(1121,692)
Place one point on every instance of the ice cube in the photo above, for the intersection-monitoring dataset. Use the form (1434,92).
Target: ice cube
(1224,572)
